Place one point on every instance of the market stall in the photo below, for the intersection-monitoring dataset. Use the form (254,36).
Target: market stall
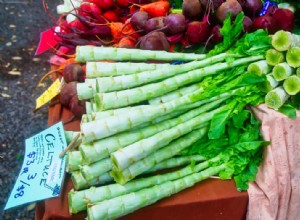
(171,111)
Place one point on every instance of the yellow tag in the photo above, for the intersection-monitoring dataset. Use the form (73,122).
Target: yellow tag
(49,94)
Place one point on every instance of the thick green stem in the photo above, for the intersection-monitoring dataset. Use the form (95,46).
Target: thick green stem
(122,205)
(284,40)
(131,154)
(276,98)
(274,57)
(131,96)
(109,84)
(292,85)
(164,153)
(103,148)
(92,53)
(78,200)
(103,69)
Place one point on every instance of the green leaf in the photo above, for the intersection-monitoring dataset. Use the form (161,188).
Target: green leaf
(255,43)
(230,33)
(249,173)
(240,118)
(218,123)
(288,110)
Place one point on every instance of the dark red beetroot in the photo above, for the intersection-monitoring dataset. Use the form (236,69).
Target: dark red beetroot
(197,32)
(216,36)
(138,20)
(89,9)
(248,23)
(232,6)
(212,4)
(111,16)
(73,72)
(156,23)
(191,8)
(67,92)
(285,19)
(175,23)
(104,4)
(251,8)
(266,22)
(77,107)
(154,41)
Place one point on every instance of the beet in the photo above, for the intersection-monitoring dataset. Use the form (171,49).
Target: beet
(138,20)
(266,22)
(175,23)
(285,19)
(154,41)
(232,6)
(156,23)
(216,36)
(251,8)
(67,92)
(191,8)
(73,72)
(248,23)
(214,4)
(77,107)
(197,32)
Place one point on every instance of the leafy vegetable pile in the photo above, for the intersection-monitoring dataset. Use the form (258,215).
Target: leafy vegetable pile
(147,106)
(143,117)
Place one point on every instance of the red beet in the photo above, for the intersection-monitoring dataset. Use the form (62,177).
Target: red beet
(90,9)
(154,41)
(111,16)
(285,19)
(266,22)
(139,19)
(67,92)
(73,72)
(232,6)
(156,23)
(175,23)
(77,107)
(104,4)
(248,23)
(216,36)
(197,32)
(191,8)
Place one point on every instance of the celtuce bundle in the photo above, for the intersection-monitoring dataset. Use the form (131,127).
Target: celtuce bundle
(157,116)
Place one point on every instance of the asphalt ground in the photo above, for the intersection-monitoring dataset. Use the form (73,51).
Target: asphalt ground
(21,24)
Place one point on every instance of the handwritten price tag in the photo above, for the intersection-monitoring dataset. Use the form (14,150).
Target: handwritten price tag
(42,171)
(49,94)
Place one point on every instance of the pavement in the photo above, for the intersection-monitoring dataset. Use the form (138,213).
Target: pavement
(21,24)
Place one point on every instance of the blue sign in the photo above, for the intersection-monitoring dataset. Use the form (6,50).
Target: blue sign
(42,172)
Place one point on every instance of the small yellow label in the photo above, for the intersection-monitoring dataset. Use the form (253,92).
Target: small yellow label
(49,94)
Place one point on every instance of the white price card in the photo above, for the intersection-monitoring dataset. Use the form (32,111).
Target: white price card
(42,172)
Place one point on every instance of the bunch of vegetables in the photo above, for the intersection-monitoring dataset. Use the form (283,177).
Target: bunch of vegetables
(281,67)
(162,25)
(143,117)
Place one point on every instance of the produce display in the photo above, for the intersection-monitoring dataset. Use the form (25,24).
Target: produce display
(169,84)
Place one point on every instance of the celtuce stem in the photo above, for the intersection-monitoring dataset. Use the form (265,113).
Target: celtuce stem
(91,53)
(131,154)
(103,69)
(135,95)
(284,40)
(292,85)
(78,200)
(276,98)
(169,151)
(122,205)
(81,183)
(103,148)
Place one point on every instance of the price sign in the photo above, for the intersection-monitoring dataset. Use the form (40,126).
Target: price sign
(49,94)
(42,172)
